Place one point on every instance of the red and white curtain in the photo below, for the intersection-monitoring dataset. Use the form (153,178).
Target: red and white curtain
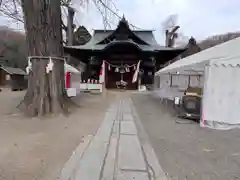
(69,70)
(135,75)
(68,80)
(102,73)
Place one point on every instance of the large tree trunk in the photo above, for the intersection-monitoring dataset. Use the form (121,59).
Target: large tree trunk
(46,91)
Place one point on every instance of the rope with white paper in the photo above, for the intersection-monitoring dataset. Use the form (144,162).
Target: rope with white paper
(124,66)
(49,66)
(29,67)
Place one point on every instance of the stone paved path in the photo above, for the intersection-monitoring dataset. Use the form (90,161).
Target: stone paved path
(118,151)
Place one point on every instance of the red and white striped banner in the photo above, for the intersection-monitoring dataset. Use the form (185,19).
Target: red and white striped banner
(135,75)
(102,73)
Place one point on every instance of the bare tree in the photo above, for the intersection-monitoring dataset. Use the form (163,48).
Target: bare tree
(12,48)
(12,9)
(169,22)
(107,9)
(46,90)
(171,31)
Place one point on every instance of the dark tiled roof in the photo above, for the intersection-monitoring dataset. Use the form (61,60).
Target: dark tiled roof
(13,71)
(100,35)
(142,47)
(191,48)
(146,37)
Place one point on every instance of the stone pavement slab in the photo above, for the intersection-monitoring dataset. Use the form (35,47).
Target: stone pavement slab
(90,165)
(116,152)
(155,170)
(128,127)
(130,153)
(109,167)
(127,117)
(131,175)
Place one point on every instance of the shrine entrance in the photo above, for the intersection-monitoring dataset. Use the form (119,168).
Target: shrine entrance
(120,76)
(120,65)
(122,48)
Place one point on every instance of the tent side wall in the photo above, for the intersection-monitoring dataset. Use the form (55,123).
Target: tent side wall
(174,85)
(221,101)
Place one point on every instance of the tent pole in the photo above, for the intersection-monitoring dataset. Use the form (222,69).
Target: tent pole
(203,113)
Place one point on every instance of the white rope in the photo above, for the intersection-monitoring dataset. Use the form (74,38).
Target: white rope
(126,65)
(47,57)
(49,66)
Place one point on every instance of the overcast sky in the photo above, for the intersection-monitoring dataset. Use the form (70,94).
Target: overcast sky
(197,18)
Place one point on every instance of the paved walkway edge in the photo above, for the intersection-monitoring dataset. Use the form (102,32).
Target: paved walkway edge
(106,155)
(71,164)
(70,168)
(156,171)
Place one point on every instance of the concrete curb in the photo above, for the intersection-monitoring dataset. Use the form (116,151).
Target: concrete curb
(90,166)
(70,165)
(155,170)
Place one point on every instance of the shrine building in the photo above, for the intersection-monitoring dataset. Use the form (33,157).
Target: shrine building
(121,50)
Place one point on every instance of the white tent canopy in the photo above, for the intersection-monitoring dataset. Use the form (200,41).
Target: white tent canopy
(220,67)
(220,54)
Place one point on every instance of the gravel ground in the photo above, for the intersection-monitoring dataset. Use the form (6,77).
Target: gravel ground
(187,151)
(37,149)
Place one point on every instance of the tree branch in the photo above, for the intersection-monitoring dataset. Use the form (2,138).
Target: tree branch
(12,9)
(64,27)
(103,4)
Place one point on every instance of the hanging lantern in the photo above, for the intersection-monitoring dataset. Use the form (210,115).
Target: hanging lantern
(109,67)
(117,69)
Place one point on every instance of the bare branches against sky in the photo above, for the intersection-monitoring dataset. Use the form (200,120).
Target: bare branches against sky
(11,9)
(107,8)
